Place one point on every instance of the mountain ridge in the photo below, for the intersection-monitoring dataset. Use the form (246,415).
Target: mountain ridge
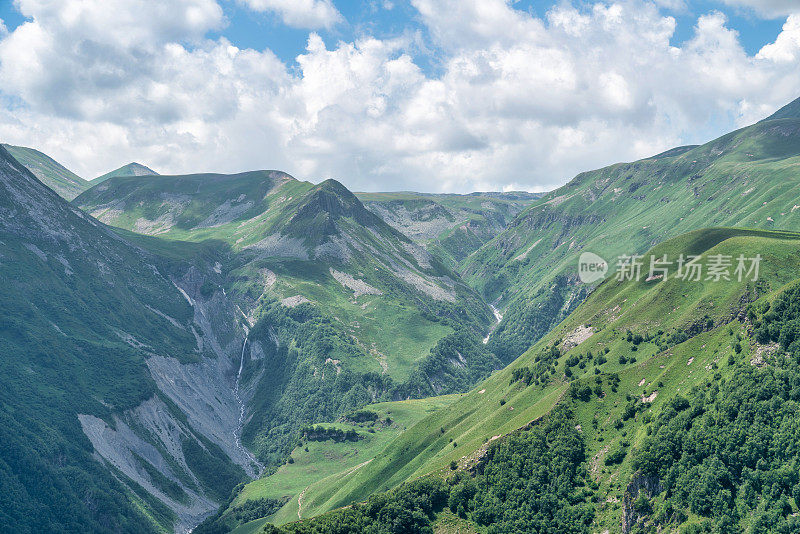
(746,178)
(91,323)
(789,111)
(50,172)
(332,295)
(449,225)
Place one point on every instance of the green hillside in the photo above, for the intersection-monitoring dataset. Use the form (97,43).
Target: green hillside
(451,226)
(623,367)
(747,178)
(91,441)
(789,111)
(320,457)
(131,169)
(51,173)
(342,310)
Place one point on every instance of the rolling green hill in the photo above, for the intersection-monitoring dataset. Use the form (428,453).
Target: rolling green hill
(451,226)
(749,178)
(622,369)
(94,439)
(131,169)
(51,173)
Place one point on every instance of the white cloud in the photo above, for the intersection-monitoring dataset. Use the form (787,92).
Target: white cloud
(79,57)
(123,23)
(3,29)
(768,8)
(518,101)
(786,48)
(300,13)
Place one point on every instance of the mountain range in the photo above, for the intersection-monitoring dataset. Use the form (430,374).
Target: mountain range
(255,350)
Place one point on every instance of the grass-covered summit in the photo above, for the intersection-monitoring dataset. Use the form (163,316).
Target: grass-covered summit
(789,111)
(270,220)
(130,169)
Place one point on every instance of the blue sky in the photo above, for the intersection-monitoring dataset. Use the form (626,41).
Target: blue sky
(435,95)
(259,30)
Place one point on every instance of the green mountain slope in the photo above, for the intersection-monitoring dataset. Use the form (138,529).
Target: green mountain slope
(342,310)
(451,226)
(623,366)
(747,178)
(51,173)
(131,169)
(98,347)
(789,111)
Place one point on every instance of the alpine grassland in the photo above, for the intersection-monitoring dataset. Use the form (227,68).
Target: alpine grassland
(319,459)
(623,366)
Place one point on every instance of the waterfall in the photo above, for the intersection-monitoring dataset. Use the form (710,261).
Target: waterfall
(497,317)
(237,395)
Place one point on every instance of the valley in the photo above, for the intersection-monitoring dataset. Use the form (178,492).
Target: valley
(255,353)
(747,178)
(400,267)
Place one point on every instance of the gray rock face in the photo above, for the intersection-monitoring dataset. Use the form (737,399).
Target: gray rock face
(124,449)
(210,400)
(651,486)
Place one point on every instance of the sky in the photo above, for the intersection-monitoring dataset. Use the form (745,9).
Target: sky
(385,95)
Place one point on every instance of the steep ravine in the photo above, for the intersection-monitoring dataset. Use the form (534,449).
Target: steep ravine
(200,406)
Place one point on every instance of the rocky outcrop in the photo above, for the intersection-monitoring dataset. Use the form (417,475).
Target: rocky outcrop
(650,486)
